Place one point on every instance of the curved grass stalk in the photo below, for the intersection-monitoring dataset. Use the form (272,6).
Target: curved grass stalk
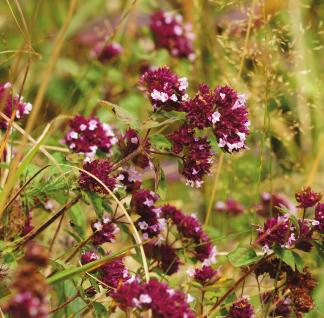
(136,235)
(21,51)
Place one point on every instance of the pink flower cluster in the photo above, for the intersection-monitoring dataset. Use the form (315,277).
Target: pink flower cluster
(165,90)
(282,232)
(230,206)
(100,168)
(87,135)
(222,110)
(319,218)
(112,274)
(165,255)
(159,297)
(197,161)
(231,124)
(150,221)
(104,52)
(171,33)
(130,179)
(27,305)
(276,231)
(88,257)
(204,275)
(104,230)
(272,204)
(307,198)
(241,308)
(189,227)
(9,102)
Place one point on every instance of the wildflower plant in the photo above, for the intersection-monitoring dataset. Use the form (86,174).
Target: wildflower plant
(143,182)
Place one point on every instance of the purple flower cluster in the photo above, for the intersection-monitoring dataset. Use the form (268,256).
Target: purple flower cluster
(241,308)
(281,231)
(100,168)
(200,109)
(9,102)
(27,305)
(181,138)
(197,162)
(319,218)
(104,231)
(165,89)
(87,135)
(281,307)
(150,221)
(159,297)
(197,158)
(167,258)
(130,142)
(171,33)
(130,179)
(30,300)
(88,257)
(189,227)
(276,231)
(104,52)
(114,273)
(222,110)
(307,198)
(204,275)
(231,124)
(304,235)
(230,206)
(271,204)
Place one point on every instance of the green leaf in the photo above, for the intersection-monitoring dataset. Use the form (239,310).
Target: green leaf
(154,124)
(78,219)
(162,187)
(320,249)
(4,290)
(298,262)
(100,310)
(243,256)
(295,222)
(121,113)
(160,142)
(285,255)
(97,203)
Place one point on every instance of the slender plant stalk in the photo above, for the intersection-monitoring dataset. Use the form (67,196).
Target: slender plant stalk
(44,226)
(236,285)
(215,185)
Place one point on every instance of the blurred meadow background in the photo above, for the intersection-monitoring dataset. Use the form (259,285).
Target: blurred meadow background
(270,50)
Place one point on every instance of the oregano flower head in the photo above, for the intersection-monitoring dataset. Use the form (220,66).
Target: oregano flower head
(87,135)
(164,89)
(9,102)
(171,33)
